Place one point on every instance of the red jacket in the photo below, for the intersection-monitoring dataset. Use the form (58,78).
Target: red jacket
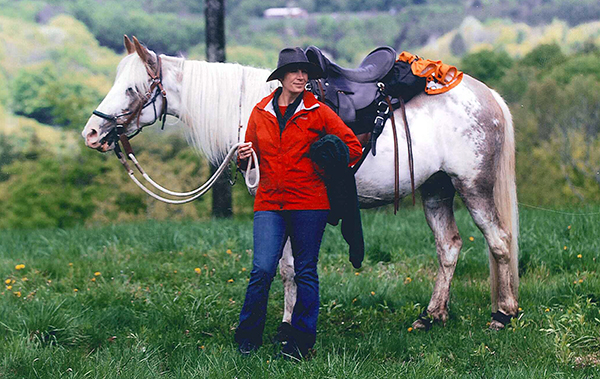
(288,177)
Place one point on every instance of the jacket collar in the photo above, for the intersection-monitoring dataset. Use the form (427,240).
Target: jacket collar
(308,103)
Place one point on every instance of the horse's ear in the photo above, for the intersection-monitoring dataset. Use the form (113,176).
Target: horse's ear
(141,50)
(128,44)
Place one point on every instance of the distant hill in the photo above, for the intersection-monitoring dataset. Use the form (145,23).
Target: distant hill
(346,29)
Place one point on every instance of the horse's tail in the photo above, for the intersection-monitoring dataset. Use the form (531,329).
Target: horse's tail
(505,198)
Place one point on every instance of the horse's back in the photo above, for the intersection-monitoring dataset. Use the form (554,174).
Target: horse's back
(459,132)
(468,127)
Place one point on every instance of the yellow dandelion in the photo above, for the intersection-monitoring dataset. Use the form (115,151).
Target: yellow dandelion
(97,273)
(580,280)
(569,227)
(174,271)
(197,269)
(229,251)
(372,293)
(202,347)
(407,280)
(7,281)
(357,273)
(267,361)
(75,290)
(243,268)
(70,264)
(547,309)
(93,279)
(12,281)
(354,300)
(230,281)
(19,267)
(24,279)
(9,288)
(471,238)
(564,248)
(520,309)
(574,281)
(579,256)
(410,329)
(17,294)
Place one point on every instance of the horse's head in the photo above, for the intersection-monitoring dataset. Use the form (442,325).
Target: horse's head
(135,100)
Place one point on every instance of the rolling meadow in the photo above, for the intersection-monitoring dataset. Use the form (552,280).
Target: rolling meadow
(161,299)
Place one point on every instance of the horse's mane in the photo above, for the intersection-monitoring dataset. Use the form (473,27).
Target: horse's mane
(216,98)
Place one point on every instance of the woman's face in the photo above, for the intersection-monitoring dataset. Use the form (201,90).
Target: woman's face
(294,81)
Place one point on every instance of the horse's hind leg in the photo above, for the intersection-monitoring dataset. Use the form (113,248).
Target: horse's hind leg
(286,269)
(438,195)
(479,199)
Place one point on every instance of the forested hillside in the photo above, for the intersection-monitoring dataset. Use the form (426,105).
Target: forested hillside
(58,59)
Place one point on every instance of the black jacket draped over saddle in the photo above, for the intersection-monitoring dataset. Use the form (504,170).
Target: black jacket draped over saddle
(331,154)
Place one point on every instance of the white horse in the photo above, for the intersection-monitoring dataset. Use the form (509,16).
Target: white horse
(462,142)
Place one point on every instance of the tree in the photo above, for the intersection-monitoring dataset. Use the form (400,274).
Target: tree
(215,52)
(487,66)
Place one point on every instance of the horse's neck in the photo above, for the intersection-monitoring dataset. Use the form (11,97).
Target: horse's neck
(214,100)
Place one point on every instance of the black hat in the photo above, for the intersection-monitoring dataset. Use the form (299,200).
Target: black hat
(291,59)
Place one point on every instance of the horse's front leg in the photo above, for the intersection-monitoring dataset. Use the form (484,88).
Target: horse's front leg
(438,195)
(286,269)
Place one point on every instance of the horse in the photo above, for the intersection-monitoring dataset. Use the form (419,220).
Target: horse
(463,143)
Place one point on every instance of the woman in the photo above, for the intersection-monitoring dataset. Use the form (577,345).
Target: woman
(291,200)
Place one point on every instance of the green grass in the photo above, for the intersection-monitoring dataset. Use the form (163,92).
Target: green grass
(142,311)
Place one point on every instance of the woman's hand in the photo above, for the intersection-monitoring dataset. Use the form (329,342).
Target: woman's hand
(245,150)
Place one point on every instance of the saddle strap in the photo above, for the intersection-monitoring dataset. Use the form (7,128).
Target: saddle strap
(411,164)
(396,158)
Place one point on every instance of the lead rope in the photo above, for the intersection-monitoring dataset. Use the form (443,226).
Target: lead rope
(198,191)
(240,126)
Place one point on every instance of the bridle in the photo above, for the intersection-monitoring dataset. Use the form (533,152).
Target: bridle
(118,134)
(156,89)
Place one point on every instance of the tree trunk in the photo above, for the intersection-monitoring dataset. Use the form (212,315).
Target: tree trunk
(214,13)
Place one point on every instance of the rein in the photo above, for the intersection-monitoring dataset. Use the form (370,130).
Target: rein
(117,134)
(198,191)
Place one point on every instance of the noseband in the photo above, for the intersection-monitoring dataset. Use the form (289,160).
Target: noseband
(156,89)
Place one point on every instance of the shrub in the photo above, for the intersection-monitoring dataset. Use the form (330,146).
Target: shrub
(43,94)
(487,66)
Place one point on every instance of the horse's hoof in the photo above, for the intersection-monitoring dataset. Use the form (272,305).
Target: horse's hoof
(424,322)
(496,325)
(500,320)
(420,325)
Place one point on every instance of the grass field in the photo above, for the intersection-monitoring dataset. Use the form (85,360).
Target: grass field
(162,300)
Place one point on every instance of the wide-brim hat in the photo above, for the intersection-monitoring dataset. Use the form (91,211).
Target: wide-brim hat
(291,59)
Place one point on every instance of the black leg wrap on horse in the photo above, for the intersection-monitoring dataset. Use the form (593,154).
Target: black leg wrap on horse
(284,332)
(426,320)
(501,317)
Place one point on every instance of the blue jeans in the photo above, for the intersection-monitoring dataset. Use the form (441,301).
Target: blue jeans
(271,230)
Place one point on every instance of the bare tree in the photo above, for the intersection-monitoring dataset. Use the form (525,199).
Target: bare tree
(214,13)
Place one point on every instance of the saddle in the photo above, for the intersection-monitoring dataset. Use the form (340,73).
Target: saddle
(352,93)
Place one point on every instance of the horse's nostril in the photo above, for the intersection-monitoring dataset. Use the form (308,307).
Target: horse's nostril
(92,138)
